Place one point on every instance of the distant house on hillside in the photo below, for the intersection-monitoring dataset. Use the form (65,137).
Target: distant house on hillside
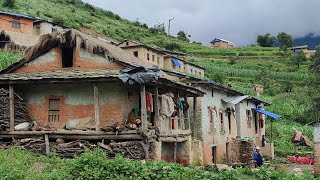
(165,59)
(305,49)
(221,43)
(16,22)
(41,27)
(27,24)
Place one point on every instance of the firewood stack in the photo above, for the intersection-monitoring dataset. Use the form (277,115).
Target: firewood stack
(20,110)
(130,149)
(246,152)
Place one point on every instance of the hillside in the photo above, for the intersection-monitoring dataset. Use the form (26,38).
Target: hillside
(75,14)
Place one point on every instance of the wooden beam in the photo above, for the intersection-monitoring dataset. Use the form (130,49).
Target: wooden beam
(143,107)
(187,114)
(66,132)
(96,106)
(175,147)
(180,111)
(11,109)
(195,123)
(84,137)
(156,107)
(146,150)
(46,139)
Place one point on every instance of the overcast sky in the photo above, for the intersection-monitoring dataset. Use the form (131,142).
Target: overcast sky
(239,21)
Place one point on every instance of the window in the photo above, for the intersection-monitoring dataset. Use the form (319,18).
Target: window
(212,93)
(16,23)
(136,54)
(158,60)
(229,121)
(53,29)
(54,110)
(99,51)
(37,29)
(127,43)
(191,70)
(153,58)
(148,56)
(67,57)
(221,122)
(248,118)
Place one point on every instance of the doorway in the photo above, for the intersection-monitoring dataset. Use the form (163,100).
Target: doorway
(214,154)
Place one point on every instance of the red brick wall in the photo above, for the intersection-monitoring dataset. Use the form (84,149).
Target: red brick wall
(316,166)
(52,63)
(6,24)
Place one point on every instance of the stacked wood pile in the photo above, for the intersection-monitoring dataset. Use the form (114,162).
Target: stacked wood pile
(131,149)
(242,152)
(20,111)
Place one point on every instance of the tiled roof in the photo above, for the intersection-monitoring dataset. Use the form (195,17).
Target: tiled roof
(71,74)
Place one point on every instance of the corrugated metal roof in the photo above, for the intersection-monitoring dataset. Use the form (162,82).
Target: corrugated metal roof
(176,62)
(270,114)
(18,15)
(219,39)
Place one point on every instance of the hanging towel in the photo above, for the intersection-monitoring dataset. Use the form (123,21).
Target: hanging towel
(167,105)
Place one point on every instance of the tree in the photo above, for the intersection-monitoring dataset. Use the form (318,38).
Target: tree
(182,36)
(8,3)
(285,40)
(266,40)
(298,59)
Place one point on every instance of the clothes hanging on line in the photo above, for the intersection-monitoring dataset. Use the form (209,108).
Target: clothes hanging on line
(149,102)
(183,105)
(167,104)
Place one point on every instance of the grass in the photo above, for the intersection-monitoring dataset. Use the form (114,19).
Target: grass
(8,58)
(20,164)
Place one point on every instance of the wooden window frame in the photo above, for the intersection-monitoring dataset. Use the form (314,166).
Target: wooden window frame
(54,113)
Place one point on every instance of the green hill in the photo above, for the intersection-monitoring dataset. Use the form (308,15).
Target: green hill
(75,14)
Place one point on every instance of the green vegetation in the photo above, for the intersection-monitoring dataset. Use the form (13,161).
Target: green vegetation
(8,58)
(19,164)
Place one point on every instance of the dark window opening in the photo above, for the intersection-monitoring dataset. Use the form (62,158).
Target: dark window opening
(221,122)
(214,154)
(158,60)
(229,121)
(212,93)
(127,43)
(249,119)
(67,57)
(153,58)
(99,51)
(54,110)
(136,54)
(53,29)
(148,56)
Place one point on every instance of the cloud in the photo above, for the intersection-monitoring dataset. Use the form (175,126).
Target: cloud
(239,21)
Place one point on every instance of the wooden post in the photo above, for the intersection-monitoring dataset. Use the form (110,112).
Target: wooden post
(195,123)
(11,105)
(238,120)
(96,106)
(179,111)
(187,114)
(143,107)
(46,139)
(156,107)
(175,152)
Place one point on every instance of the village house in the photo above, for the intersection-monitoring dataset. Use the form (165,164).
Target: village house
(41,27)
(225,118)
(308,53)
(221,43)
(167,60)
(75,86)
(16,22)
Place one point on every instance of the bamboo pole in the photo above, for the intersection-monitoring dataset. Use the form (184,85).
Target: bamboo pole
(96,106)
(11,97)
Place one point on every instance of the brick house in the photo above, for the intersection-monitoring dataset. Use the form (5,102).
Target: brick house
(221,43)
(71,78)
(224,117)
(16,22)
